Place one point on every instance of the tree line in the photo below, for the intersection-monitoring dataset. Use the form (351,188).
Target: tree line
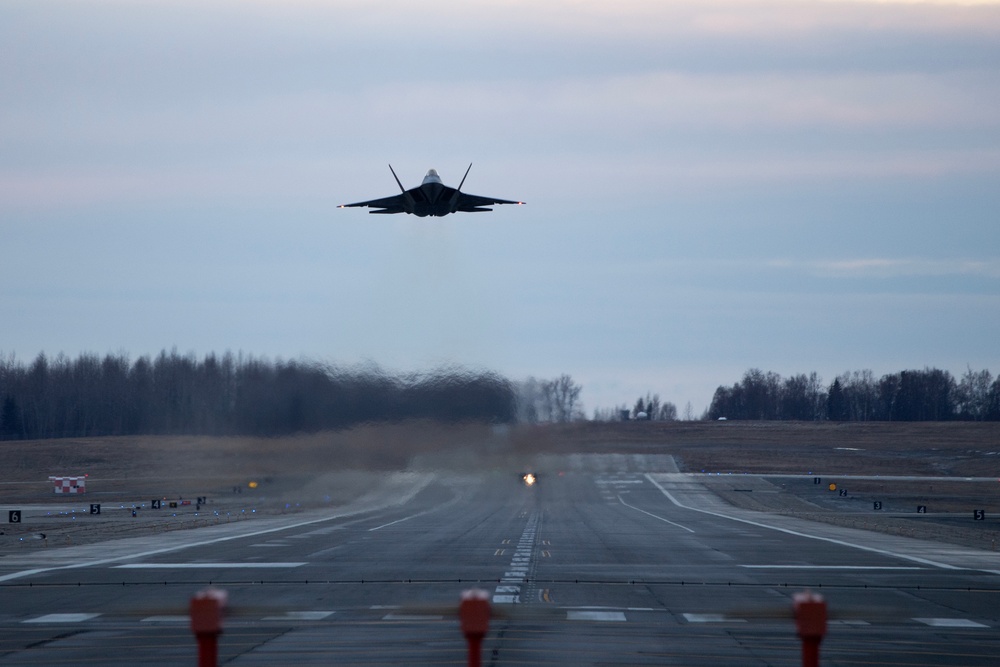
(644,409)
(930,394)
(230,395)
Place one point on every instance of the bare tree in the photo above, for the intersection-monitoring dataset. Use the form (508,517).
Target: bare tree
(667,412)
(974,394)
(565,397)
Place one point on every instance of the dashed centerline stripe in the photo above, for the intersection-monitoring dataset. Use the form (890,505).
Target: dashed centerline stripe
(509,590)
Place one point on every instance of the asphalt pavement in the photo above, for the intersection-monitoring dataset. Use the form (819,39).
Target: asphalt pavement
(605,561)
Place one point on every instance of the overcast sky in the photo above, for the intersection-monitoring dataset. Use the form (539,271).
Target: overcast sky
(792,185)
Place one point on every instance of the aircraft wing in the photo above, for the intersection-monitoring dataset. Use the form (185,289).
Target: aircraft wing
(476,202)
(393,204)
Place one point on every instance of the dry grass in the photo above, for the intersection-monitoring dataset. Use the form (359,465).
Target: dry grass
(870,448)
(295,473)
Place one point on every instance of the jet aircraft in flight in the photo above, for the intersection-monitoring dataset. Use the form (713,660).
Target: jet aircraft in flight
(432,197)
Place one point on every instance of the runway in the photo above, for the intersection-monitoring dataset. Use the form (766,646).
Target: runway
(606,561)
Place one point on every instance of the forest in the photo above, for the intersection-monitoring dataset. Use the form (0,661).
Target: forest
(930,394)
(175,394)
(230,395)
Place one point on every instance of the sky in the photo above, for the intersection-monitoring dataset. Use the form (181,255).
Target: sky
(711,185)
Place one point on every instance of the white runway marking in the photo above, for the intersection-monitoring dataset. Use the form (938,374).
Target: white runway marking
(62,618)
(186,545)
(166,619)
(509,592)
(711,618)
(406,518)
(300,616)
(603,616)
(950,623)
(201,566)
(653,515)
(392,523)
(788,531)
(833,567)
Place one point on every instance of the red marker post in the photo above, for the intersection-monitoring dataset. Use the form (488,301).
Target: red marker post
(474,614)
(207,607)
(810,621)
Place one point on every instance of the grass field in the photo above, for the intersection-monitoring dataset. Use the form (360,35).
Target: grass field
(270,475)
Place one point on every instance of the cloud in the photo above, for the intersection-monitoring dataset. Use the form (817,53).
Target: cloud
(890,267)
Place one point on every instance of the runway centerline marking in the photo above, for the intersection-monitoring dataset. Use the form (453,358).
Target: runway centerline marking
(509,590)
(789,531)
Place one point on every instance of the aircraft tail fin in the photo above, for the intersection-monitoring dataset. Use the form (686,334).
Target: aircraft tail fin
(401,188)
(458,191)
(464,177)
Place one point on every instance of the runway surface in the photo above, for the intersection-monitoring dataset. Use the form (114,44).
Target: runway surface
(608,560)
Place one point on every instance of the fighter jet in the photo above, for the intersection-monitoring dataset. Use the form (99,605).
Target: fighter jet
(432,197)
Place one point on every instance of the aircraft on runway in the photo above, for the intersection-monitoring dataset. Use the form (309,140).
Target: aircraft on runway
(432,197)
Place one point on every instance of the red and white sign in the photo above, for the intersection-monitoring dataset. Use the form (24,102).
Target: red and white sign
(77,484)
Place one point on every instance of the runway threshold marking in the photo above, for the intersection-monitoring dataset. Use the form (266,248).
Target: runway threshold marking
(950,623)
(603,616)
(660,518)
(711,618)
(62,618)
(789,531)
